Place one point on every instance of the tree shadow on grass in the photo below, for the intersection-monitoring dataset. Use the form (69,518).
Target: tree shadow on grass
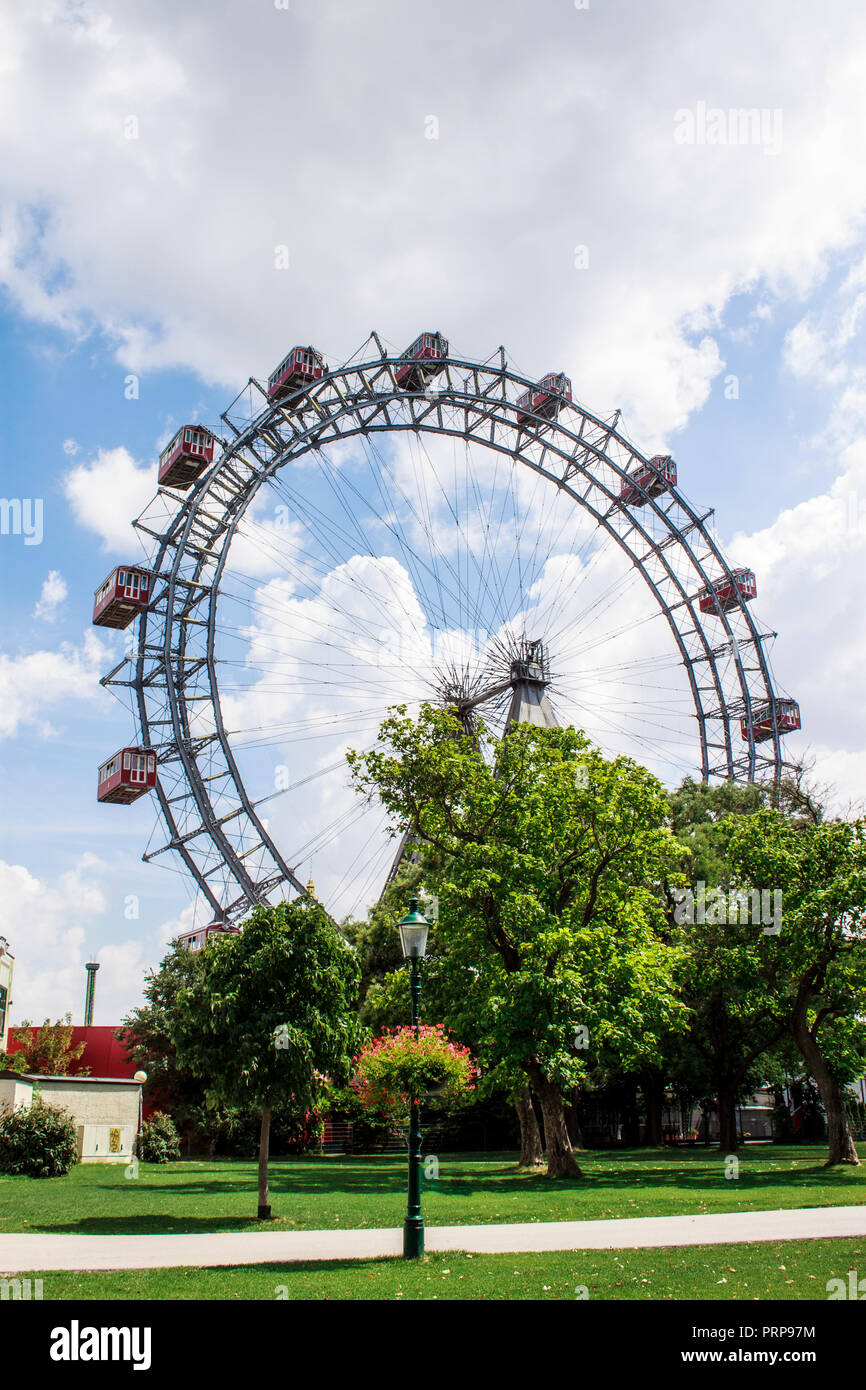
(164,1225)
(462,1180)
(618,1178)
(661,1179)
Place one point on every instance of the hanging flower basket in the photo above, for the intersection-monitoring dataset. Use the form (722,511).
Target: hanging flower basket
(397,1067)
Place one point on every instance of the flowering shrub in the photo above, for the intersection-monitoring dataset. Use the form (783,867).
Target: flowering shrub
(38,1140)
(158,1141)
(397,1066)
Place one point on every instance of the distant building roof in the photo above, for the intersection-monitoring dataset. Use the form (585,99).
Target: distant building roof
(74,1078)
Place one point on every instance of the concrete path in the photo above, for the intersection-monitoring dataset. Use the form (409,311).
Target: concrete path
(22,1253)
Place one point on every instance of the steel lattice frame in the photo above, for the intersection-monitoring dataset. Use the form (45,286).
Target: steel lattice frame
(211,821)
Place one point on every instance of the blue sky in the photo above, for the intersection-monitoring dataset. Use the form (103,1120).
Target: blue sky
(155,255)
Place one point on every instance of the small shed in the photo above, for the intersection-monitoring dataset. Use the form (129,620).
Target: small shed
(106,1110)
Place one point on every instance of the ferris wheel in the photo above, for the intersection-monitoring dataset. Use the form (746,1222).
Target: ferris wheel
(412,525)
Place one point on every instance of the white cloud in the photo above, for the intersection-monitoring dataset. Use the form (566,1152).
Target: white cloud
(36,683)
(164,213)
(107,493)
(46,926)
(810,564)
(54,591)
(805,349)
(825,350)
(150,211)
(195,914)
(54,926)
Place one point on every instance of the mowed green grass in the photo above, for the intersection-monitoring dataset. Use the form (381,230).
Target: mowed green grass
(351,1193)
(709,1273)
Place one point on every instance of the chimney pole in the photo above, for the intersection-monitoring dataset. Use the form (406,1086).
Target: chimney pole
(91,967)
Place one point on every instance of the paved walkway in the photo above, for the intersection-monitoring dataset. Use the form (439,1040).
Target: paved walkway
(20,1253)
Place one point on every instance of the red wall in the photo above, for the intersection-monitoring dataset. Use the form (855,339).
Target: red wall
(103,1054)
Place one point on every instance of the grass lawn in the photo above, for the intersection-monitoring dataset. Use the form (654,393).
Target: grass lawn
(325,1193)
(781,1270)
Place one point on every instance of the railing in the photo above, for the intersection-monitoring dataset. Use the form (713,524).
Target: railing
(340,1138)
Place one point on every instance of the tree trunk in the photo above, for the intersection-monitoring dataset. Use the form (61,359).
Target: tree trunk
(561,1162)
(839,1137)
(573,1121)
(531,1152)
(630,1116)
(727,1102)
(264,1154)
(654,1099)
(705,1123)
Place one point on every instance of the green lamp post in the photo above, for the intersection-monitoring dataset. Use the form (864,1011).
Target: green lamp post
(413,937)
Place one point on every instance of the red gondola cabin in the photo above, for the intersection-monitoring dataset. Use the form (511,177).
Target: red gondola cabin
(186,457)
(423,360)
(300,368)
(653,478)
(787,719)
(726,594)
(545,397)
(198,938)
(131,773)
(124,594)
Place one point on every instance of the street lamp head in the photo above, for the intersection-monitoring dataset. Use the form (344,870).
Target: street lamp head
(413,932)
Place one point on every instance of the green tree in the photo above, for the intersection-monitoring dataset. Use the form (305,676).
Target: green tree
(383,987)
(547,860)
(449,994)
(820,869)
(731,979)
(699,814)
(13,1061)
(731,983)
(270,1015)
(48,1051)
(149,1032)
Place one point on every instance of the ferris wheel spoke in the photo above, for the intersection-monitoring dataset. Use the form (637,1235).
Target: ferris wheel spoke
(354,585)
(450,588)
(367,895)
(371,540)
(375,863)
(656,745)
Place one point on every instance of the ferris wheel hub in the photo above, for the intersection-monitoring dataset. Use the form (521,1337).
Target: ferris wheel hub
(531,664)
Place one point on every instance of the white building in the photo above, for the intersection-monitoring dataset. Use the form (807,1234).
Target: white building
(7,965)
(106,1110)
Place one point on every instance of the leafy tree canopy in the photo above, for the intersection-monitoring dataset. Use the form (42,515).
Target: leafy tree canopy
(547,860)
(270,1013)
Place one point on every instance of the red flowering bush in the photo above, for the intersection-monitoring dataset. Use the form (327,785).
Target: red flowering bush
(397,1066)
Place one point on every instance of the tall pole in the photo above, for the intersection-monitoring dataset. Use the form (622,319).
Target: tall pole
(91,967)
(413,1226)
